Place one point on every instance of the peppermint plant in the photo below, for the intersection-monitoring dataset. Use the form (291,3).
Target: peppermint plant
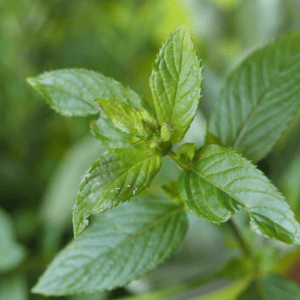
(135,231)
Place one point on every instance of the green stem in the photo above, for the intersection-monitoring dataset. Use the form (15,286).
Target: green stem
(248,253)
(173,291)
(231,223)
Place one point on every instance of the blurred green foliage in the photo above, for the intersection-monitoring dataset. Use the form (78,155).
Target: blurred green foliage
(43,155)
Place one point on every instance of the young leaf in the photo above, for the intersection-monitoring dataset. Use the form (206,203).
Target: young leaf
(176,83)
(260,98)
(71,91)
(104,130)
(128,118)
(186,153)
(117,176)
(271,287)
(222,182)
(118,247)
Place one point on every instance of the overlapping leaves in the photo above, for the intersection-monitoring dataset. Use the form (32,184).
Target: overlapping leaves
(117,176)
(119,246)
(134,121)
(71,92)
(256,105)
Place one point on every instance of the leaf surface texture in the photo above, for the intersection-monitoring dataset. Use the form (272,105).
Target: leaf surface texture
(128,118)
(71,91)
(260,98)
(117,176)
(222,182)
(176,83)
(118,247)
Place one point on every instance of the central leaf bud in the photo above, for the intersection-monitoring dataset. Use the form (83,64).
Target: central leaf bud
(161,146)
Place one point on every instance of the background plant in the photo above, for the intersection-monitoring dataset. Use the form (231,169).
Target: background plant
(27,153)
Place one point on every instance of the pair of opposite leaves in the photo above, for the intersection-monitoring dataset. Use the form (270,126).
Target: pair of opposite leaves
(215,186)
(259,92)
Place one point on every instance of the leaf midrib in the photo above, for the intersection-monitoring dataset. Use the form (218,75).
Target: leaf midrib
(140,231)
(135,234)
(151,224)
(249,119)
(244,128)
(127,170)
(231,196)
(178,80)
(37,86)
(218,187)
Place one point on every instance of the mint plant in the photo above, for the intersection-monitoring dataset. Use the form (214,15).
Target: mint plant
(131,238)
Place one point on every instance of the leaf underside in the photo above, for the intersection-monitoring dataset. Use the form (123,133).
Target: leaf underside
(117,176)
(118,247)
(176,83)
(260,98)
(222,183)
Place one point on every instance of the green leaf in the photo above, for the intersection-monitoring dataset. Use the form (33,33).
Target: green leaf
(222,182)
(120,246)
(166,131)
(176,83)
(11,253)
(104,130)
(271,287)
(117,176)
(71,91)
(260,98)
(186,153)
(129,119)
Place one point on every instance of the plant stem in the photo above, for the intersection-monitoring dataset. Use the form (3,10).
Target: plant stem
(248,253)
(231,223)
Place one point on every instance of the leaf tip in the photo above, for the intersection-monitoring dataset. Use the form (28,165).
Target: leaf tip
(32,81)
(37,289)
(79,225)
